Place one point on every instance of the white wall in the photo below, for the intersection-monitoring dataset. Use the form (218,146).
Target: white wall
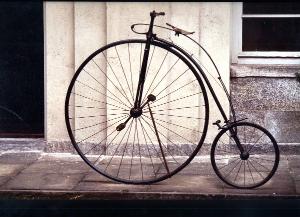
(75,29)
(59,64)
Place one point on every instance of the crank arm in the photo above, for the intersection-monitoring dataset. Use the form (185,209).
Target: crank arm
(121,126)
(150,98)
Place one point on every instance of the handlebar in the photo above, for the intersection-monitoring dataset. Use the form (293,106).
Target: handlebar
(154,14)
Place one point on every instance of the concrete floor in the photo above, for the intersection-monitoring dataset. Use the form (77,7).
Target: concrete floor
(48,175)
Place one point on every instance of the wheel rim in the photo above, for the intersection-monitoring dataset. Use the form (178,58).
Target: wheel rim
(252,168)
(133,155)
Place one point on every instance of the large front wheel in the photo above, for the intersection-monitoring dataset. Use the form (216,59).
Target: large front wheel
(137,146)
(255,165)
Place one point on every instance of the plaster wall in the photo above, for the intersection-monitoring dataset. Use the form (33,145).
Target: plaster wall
(73,30)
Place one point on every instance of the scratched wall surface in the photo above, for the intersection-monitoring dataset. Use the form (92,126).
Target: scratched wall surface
(73,30)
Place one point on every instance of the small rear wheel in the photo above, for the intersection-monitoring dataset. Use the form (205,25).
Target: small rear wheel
(252,168)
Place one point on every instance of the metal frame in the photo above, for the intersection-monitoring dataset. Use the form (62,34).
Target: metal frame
(230,125)
(138,104)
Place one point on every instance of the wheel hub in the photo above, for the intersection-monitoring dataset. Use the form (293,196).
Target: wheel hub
(136,112)
(244,155)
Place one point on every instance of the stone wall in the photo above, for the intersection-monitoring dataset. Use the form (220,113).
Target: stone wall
(270,96)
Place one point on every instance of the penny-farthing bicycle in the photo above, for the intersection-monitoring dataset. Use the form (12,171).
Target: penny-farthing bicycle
(137,112)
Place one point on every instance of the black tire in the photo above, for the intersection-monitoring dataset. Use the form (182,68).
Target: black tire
(263,156)
(137,160)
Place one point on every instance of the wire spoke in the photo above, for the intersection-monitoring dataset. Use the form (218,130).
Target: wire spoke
(251,137)
(171,109)
(234,151)
(112,81)
(175,90)
(173,132)
(238,170)
(161,142)
(267,169)
(173,82)
(93,107)
(138,139)
(117,79)
(147,148)
(125,148)
(153,146)
(93,116)
(89,126)
(231,139)
(116,150)
(249,151)
(245,136)
(106,147)
(237,158)
(135,129)
(179,116)
(101,93)
(124,73)
(99,143)
(105,87)
(130,70)
(176,99)
(232,169)
(156,75)
(92,99)
(256,169)
(250,172)
(244,173)
(177,125)
(165,75)
(171,141)
(99,131)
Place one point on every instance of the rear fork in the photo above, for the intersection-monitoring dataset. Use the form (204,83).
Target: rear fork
(244,154)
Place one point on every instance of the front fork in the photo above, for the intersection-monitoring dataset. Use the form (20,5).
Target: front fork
(136,111)
(150,36)
(139,92)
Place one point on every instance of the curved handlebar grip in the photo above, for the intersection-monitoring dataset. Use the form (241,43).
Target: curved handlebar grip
(137,24)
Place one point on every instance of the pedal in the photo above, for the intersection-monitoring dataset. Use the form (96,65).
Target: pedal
(120,127)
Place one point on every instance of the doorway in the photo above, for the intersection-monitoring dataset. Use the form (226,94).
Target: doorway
(21,69)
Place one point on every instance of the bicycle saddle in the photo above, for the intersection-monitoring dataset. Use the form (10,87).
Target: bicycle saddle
(179,31)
